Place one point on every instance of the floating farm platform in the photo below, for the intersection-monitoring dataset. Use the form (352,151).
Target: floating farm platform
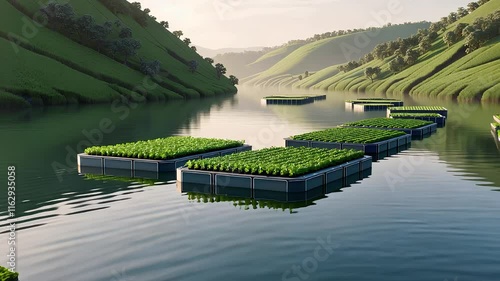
(370,141)
(415,128)
(351,104)
(160,155)
(278,169)
(433,117)
(495,130)
(292,100)
(361,107)
(418,109)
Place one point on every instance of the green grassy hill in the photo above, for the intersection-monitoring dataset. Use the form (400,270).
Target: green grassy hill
(248,63)
(442,72)
(49,68)
(324,53)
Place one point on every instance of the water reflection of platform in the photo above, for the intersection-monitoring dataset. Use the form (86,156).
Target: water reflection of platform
(146,177)
(251,198)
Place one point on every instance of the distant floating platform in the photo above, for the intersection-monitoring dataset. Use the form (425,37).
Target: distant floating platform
(376,149)
(351,104)
(361,107)
(302,183)
(433,117)
(136,164)
(495,130)
(416,132)
(418,109)
(292,100)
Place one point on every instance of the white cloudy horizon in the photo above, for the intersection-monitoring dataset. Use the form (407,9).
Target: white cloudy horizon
(219,24)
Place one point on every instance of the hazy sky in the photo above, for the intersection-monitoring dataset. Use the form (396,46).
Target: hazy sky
(247,23)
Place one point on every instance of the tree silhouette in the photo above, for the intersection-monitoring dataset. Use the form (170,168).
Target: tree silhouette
(178,33)
(234,80)
(220,69)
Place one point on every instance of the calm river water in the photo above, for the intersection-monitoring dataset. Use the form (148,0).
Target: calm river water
(429,213)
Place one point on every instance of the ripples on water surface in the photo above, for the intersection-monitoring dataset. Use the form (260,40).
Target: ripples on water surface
(428,213)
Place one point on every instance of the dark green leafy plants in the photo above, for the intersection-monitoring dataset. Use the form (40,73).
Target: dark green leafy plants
(277,161)
(409,115)
(7,275)
(389,123)
(349,135)
(374,104)
(163,148)
(384,101)
(420,108)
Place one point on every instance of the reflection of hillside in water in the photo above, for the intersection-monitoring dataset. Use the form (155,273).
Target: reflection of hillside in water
(48,188)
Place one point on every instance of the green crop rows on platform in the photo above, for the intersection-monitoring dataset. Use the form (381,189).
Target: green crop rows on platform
(286,98)
(374,104)
(349,135)
(422,108)
(163,148)
(389,123)
(369,101)
(430,114)
(277,161)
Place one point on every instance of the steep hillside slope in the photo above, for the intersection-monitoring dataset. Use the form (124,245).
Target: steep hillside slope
(331,51)
(248,63)
(43,66)
(443,71)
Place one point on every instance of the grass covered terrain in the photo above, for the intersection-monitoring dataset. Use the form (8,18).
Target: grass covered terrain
(443,72)
(389,123)
(349,135)
(163,148)
(7,275)
(324,53)
(277,161)
(51,68)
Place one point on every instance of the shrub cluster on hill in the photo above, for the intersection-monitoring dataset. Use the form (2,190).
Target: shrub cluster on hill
(407,50)
(133,10)
(109,38)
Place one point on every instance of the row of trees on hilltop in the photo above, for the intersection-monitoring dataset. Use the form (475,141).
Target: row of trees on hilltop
(110,38)
(113,39)
(134,10)
(407,51)
(341,32)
